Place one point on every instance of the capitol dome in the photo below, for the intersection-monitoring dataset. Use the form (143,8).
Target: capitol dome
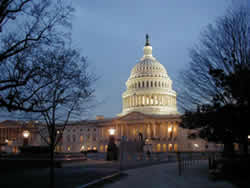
(149,88)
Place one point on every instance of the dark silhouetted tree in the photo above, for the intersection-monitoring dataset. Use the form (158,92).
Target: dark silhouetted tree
(26,28)
(66,97)
(214,89)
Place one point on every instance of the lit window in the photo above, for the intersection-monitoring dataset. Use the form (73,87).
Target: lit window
(248,136)
(81,138)
(170,147)
(196,145)
(94,148)
(69,148)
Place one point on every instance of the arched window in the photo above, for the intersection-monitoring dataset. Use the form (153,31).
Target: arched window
(151,83)
(139,84)
(142,84)
(135,85)
(159,84)
(155,84)
(162,84)
(147,84)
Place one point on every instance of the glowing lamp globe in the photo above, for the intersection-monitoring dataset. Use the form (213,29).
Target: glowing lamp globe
(112,131)
(26,134)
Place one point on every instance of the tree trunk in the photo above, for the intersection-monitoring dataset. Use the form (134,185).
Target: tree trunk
(245,145)
(52,167)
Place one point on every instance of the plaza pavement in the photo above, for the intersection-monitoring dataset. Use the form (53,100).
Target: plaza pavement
(166,176)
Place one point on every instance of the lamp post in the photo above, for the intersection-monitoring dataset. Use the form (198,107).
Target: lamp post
(112,148)
(26,135)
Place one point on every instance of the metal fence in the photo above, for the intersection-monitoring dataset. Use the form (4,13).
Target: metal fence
(188,159)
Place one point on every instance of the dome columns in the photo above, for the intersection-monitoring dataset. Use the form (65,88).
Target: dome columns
(148,100)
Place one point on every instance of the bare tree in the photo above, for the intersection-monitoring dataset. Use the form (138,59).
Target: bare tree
(214,88)
(222,46)
(26,27)
(66,97)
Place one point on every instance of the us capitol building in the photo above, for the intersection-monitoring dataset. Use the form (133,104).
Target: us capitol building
(149,112)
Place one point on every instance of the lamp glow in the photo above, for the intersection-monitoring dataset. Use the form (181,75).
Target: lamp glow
(26,134)
(111,131)
(169,129)
(82,148)
(196,145)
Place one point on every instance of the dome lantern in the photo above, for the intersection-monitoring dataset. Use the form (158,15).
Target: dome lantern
(147,48)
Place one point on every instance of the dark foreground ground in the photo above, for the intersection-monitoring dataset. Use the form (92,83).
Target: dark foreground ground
(71,175)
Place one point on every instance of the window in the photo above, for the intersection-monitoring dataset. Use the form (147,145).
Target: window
(68,138)
(88,129)
(94,129)
(74,138)
(81,138)
(80,130)
(94,137)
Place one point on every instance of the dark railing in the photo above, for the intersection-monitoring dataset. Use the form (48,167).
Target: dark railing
(188,159)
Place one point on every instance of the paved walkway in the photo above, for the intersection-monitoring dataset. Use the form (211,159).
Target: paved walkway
(166,176)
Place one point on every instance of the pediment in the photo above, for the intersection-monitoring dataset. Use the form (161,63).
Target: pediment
(133,116)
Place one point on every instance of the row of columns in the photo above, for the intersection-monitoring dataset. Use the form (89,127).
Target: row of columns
(149,100)
(148,130)
(149,84)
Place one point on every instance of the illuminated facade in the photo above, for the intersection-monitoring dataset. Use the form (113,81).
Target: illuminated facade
(149,113)
(149,110)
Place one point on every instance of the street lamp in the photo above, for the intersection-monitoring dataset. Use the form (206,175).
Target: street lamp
(26,135)
(111,131)
(112,148)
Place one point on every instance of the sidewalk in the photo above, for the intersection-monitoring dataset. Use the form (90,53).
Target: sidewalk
(166,176)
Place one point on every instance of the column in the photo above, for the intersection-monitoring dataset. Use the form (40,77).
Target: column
(158,130)
(154,130)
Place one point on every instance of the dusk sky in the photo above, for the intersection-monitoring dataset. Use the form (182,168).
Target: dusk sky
(111,34)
